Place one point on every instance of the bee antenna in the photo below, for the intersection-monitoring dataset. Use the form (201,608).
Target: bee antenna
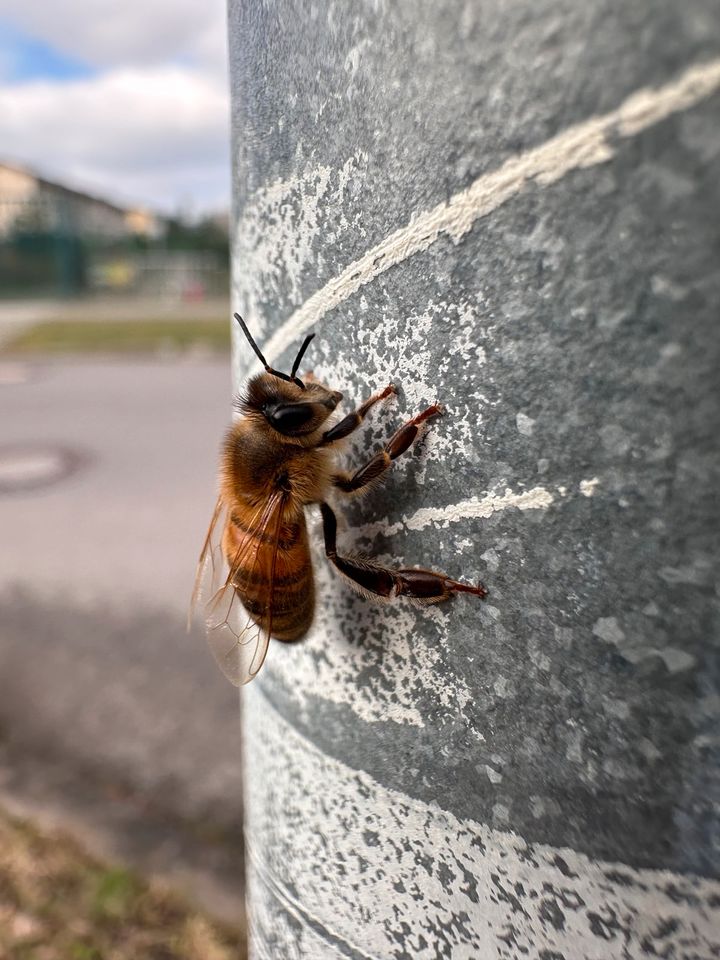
(301,354)
(261,358)
(255,347)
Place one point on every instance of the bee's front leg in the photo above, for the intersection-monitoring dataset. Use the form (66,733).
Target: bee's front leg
(396,445)
(353,420)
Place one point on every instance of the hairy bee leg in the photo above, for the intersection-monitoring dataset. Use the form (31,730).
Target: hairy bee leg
(353,420)
(396,445)
(420,584)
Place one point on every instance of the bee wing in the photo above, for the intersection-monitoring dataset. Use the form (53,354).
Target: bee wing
(210,563)
(239,642)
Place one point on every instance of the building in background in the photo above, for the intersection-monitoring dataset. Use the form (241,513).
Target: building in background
(56,240)
(30,202)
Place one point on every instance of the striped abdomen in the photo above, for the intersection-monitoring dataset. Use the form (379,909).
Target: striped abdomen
(249,554)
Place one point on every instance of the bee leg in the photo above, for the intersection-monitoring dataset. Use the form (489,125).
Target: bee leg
(353,420)
(396,445)
(369,577)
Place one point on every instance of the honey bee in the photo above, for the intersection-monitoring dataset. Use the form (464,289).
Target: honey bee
(276,460)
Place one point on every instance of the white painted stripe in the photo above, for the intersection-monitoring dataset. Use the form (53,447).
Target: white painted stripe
(378,870)
(536,499)
(583,145)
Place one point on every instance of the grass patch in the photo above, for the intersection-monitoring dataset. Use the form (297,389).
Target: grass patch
(122,336)
(58,903)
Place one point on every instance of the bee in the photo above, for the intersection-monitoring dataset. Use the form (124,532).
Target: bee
(277,459)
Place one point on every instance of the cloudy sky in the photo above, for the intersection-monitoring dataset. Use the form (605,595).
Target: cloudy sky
(126,100)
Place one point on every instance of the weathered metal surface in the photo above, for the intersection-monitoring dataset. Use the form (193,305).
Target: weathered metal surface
(511,208)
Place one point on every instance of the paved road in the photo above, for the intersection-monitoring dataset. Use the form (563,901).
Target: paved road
(112,718)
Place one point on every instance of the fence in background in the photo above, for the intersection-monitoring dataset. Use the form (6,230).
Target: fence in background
(57,256)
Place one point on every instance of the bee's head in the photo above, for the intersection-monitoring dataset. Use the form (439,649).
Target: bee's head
(289,406)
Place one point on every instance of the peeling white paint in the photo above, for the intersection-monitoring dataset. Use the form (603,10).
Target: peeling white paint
(587,487)
(280,224)
(406,335)
(583,145)
(411,870)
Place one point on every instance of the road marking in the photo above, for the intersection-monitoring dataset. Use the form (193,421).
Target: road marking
(581,146)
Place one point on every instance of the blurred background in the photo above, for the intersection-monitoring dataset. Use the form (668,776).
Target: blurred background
(120,807)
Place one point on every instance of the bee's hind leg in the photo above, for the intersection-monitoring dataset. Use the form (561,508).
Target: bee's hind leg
(371,578)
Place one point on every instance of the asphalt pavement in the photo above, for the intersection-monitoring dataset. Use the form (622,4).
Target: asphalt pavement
(113,720)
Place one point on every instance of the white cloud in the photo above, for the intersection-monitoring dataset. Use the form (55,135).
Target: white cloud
(133,32)
(152,126)
(157,136)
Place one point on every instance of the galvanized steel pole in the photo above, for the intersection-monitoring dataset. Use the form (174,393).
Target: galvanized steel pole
(513,209)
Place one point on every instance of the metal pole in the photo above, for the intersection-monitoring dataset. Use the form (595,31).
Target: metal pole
(513,209)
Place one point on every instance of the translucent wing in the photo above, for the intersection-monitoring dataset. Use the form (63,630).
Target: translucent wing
(239,640)
(210,563)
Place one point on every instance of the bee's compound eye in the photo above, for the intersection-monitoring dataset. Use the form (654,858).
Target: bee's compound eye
(291,417)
